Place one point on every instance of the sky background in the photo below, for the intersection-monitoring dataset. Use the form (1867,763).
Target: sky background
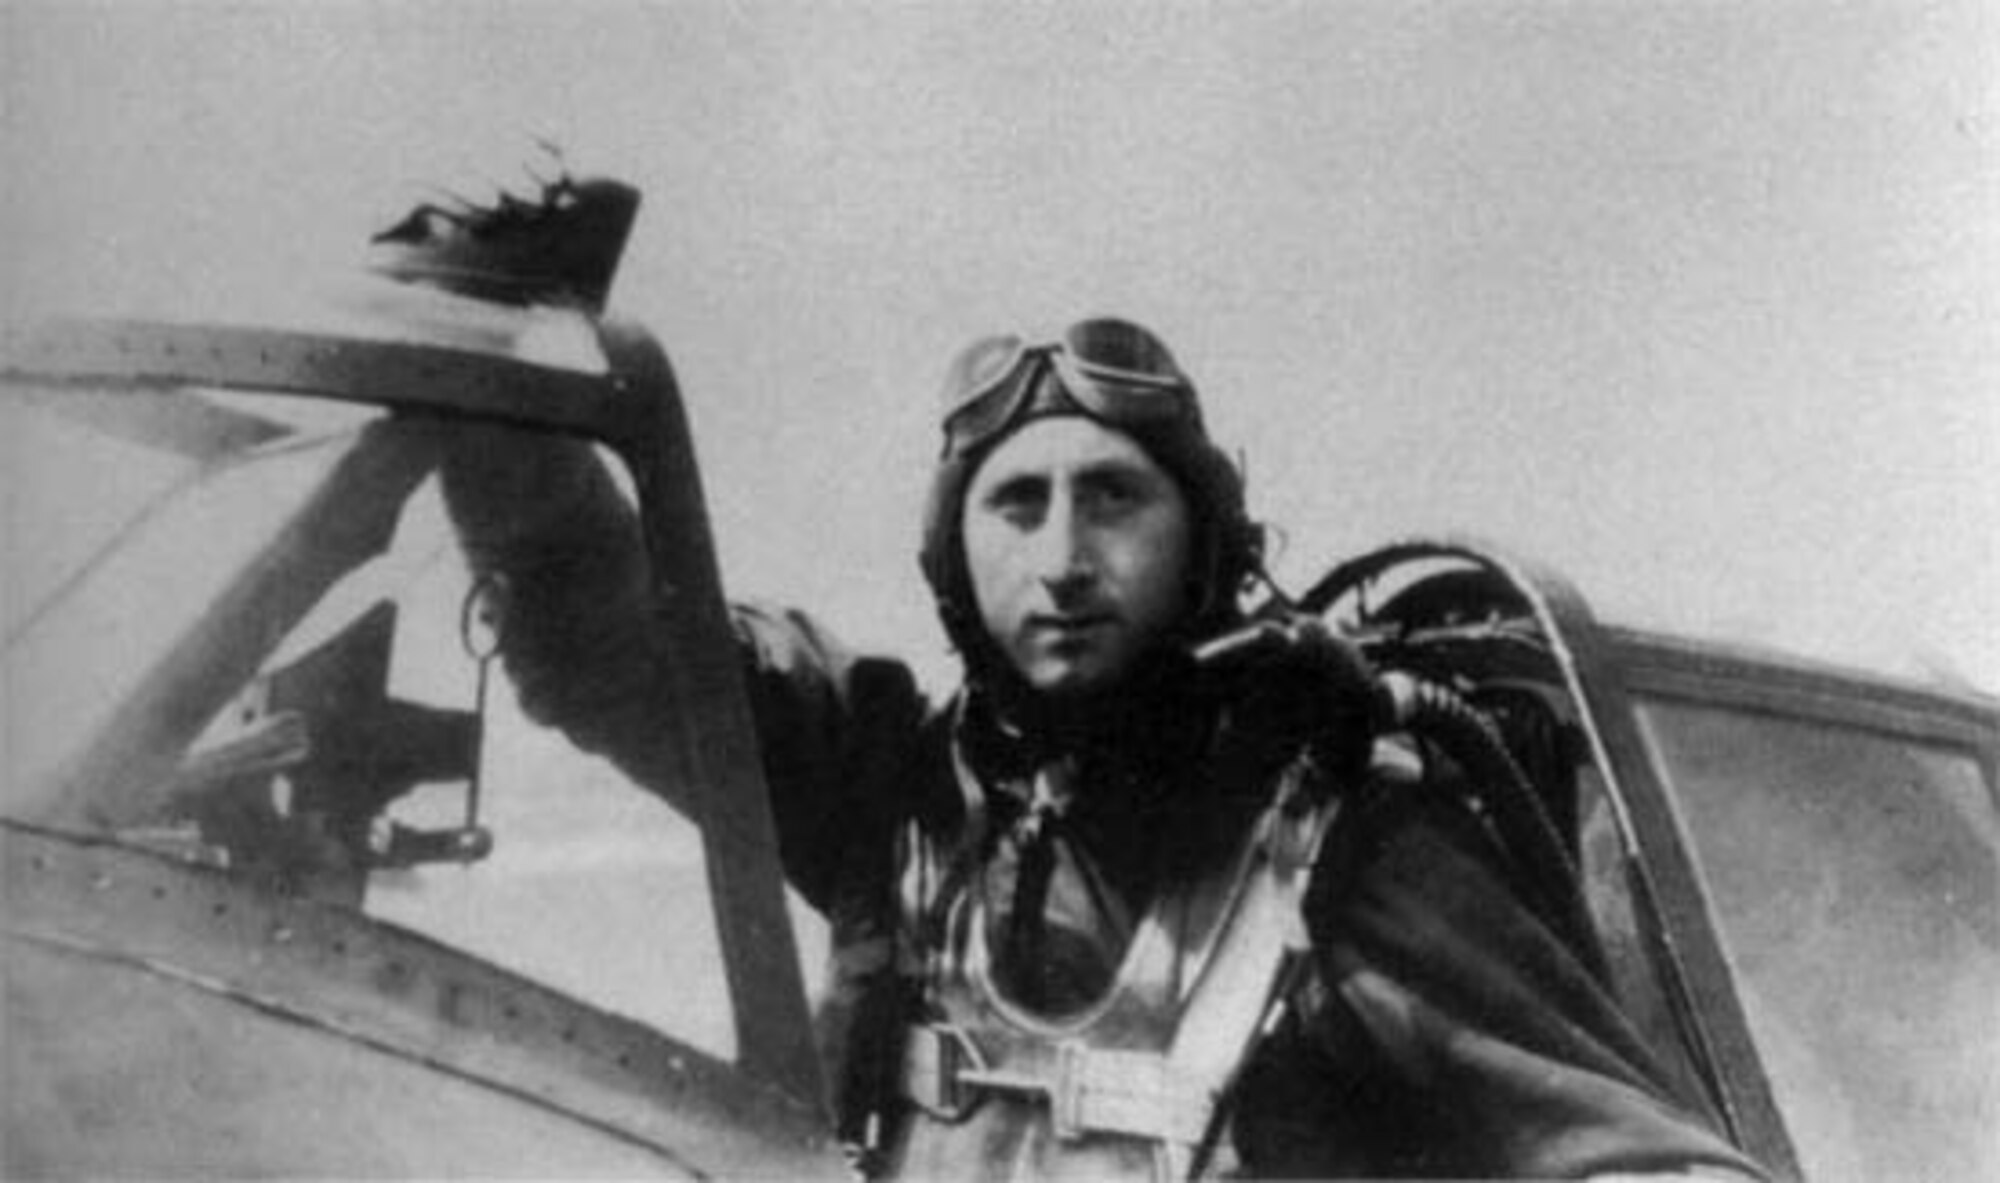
(1697,303)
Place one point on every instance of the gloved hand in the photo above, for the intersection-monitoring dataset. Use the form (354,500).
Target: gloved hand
(505,487)
(1300,682)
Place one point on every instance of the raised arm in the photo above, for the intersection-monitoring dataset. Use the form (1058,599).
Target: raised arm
(544,514)
(835,730)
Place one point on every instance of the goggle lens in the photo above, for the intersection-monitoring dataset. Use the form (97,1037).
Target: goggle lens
(1113,370)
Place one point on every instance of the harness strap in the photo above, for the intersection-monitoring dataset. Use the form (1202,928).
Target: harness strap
(1176,1096)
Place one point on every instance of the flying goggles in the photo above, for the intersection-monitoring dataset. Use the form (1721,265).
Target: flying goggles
(1111,370)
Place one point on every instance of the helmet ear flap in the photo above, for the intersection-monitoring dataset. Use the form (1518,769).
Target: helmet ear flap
(942,557)
(1232,541)
(1235,553)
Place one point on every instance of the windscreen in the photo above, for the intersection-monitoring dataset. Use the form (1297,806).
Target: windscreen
(1856,875)
(265,634)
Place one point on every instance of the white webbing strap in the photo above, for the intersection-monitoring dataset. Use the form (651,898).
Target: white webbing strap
(1173,1096)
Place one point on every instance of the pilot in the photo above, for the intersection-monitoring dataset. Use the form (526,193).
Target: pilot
(1122,906)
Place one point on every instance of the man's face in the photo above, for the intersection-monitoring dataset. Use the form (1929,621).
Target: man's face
(1078,545)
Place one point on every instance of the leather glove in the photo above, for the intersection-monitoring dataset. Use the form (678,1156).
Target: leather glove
(1300,682)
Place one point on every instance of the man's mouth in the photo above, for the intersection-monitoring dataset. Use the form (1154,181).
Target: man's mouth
(1065,626)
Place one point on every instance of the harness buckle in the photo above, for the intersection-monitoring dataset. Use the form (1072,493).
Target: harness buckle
(1137,1093)
(1087,1090)
(937,1059)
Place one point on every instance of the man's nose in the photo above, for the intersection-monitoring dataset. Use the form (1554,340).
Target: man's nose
(1064,556)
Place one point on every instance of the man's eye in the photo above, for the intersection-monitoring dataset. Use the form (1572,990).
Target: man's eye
(1113,497)
(1018,503)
